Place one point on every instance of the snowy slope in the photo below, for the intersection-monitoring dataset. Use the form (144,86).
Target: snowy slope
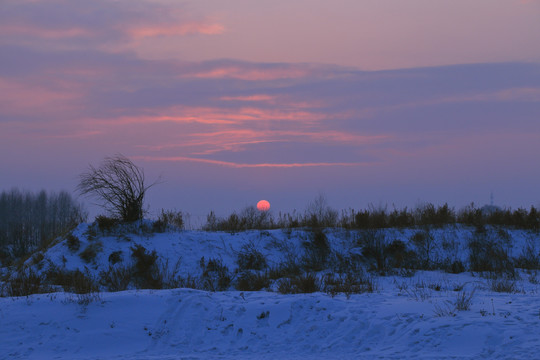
(184,249)
(406,317)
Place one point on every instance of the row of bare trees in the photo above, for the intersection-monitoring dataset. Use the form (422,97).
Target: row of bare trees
(29,220)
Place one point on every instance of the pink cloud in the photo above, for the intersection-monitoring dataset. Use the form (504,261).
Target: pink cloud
(252,74)
(189,28)
(243,165)
(220,116)
(44,33)
(21,98)
(256,98)
(237,140)
(282,100)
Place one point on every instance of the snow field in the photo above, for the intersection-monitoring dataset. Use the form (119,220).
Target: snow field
(405,318)
(192,324)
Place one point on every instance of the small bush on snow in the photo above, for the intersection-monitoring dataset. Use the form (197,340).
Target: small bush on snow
(317,251)
(75,281)
(348,284)
(73,243)
(90,252)
(249,258)
(456,267)
(37,258)
(285,269)
(106,224)
(115,257)
(302,284)
(373,244)
(488,254)
(503,285)
(398,256)
(116,278)
(25,283)
(168,219)
(464,300)
(145,268)
(215,275)
(424,242)
(249,281)
(530,257)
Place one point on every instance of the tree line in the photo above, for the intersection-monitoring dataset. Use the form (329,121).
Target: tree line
(29,220)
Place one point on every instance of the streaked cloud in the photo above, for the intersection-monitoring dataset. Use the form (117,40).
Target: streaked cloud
(176,30)
(244,165)
(34,98)
(257,98)
(251,73)
(98,24)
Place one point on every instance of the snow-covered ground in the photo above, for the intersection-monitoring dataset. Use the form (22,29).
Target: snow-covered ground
(192,324)
(406,317)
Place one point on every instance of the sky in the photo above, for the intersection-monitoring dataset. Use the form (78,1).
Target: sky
(383,102)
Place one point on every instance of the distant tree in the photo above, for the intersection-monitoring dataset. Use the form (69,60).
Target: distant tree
(119,185)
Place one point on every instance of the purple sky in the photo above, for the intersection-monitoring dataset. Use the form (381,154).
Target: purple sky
(378,101)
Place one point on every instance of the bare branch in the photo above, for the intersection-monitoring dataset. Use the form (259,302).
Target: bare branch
(119,185)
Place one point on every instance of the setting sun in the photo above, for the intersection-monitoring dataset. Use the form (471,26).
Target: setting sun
(263,205)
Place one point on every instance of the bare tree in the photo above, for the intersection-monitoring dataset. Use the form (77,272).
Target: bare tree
(119,185)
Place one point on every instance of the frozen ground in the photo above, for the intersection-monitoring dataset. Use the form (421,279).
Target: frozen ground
(191,324)
(405,318)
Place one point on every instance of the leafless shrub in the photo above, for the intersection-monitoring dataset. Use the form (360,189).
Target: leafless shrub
(250,258)
(348,284)
(533,278)
(116,278)
(90,252)
(115,257)
(419,291)
(169,277)
(215,276)
(168,220)
(25,283)
(189,282)
(302,284)
(73,243)
(424,242)
(447,309)
(487,254)
(74,281)
(529,257)
(317,251)
(119,185)
(250,281)
(464,300)
(503,285)
(289,268)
